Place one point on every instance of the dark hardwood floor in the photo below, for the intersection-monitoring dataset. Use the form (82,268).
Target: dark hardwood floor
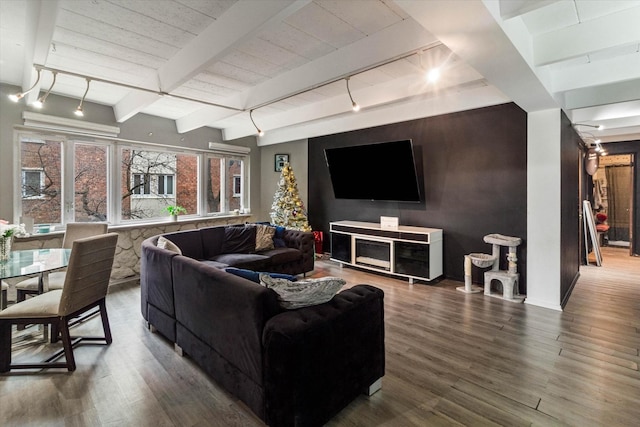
(452,359)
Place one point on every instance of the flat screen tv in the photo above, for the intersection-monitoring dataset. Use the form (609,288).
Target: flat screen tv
(382,171)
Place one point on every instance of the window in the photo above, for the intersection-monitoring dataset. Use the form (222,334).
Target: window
(67,178)
(165,185)
(225,184)
(41,186)
(32,183)
(90,182)
(141,184)
(237,186)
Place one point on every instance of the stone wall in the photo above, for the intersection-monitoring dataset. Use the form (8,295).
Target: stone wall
(126,265)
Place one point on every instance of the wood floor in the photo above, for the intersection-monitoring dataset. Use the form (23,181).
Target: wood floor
(452,359)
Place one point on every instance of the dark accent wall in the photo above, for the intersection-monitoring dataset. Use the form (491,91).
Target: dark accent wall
(570,207)
(474,173)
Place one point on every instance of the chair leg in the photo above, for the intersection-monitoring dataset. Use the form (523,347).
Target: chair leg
(105,321)
(21,295)
(67,344)
(55,333)
(5,346)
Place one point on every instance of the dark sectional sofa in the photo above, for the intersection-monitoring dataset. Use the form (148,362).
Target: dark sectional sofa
(290,367)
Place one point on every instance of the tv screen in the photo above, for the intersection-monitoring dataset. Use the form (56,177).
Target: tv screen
(382,171)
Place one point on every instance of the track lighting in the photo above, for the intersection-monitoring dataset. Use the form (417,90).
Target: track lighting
(598,127)
(354,104)
(260,131)
(18,96)
(40,102)
(432,75)
(79,111)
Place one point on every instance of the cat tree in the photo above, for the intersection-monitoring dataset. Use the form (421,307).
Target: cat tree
(508,279)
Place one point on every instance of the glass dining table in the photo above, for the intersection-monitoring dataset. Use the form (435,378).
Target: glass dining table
(30,262)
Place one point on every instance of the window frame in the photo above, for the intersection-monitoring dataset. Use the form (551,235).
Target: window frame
(163,178)
(145,186)
(237,178)
(41,173)
(114,147)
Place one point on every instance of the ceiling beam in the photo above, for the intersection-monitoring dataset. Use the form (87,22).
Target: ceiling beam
(402,89)
(470,30)
(41,20)
(512,8)
(602,95)
(605,112)
(420,107)
(203,117)
(395,41)
(242,21)
(597,73)
(239,23)
(609,31)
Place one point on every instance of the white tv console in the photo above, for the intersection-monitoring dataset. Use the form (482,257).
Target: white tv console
(412,252)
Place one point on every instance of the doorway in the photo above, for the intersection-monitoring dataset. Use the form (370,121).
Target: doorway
(613,197)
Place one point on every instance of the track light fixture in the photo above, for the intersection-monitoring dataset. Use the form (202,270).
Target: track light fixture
(79,111)
(260,131)
(593,143)
(40,102)
(18,96)
(599,149)
(433,74)
(354,104)
(598,127)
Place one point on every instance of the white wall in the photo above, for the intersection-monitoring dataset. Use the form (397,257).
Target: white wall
(298,158)
(543,209)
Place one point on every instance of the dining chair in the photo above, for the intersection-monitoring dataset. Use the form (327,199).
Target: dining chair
(74,231)
(85,287)
(3,295)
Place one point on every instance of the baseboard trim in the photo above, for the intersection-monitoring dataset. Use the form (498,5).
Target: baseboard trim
(543,304)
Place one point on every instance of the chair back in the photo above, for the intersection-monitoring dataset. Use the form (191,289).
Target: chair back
(88,273)
(80,230)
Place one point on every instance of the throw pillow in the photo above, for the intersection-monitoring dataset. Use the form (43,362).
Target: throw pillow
(264,237)
(303,293)
(278,237)
(167,244)
(254,276)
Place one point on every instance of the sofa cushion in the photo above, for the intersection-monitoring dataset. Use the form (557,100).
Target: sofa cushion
(282,255)
(189,242)
(303,293)
(212,240)
(248,261)
(264,237)
(167,244)
(239,240)
(254,276)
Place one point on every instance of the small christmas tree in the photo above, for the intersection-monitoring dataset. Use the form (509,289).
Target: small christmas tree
(287,209)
